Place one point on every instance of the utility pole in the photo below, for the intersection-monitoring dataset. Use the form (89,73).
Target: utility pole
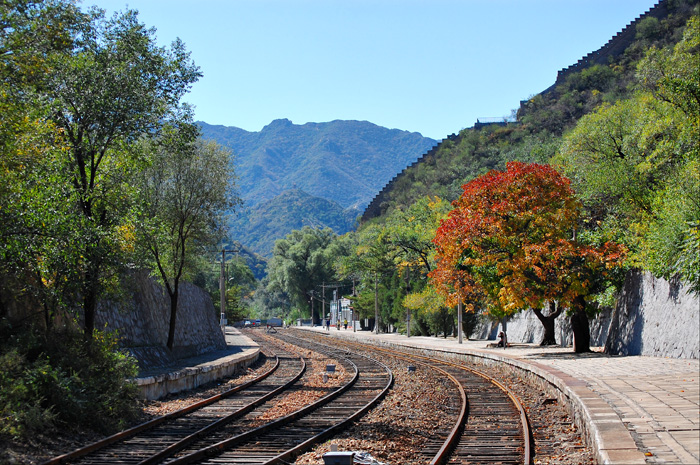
(337,309)
(376,305)
(323,302)
(408,310)
(222,287)
(312,308)
(311,298)
(459,320)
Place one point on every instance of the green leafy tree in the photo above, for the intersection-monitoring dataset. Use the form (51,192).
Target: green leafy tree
(112,87)
(410,232)
(301,262)
(635,163)
(184,192)
(240,289)
(372,259)
(271,301)
(35,223)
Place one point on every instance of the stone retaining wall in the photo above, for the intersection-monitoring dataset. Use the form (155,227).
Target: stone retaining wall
(142,322)
(525,327)
(653,317)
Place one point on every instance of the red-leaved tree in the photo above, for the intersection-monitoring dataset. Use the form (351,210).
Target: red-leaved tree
(509,244)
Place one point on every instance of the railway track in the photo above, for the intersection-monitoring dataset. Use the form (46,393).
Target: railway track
(232,427)
(153,440)
(491,426)
(280,441)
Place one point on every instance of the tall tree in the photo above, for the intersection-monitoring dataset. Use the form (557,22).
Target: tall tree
(114,86)
(509,242)
(301,262)
(410,232)
(373,260)
(636,163)
(184,193)
(35,214)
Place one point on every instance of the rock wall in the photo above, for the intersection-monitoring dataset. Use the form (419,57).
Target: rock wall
(655,317)
(652,317)
(526,328)
(142,322)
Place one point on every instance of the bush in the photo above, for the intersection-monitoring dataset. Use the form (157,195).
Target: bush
(22,403)
(59,381)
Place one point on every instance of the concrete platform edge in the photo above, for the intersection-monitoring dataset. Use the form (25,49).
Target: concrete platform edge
(155,387)
(201,369)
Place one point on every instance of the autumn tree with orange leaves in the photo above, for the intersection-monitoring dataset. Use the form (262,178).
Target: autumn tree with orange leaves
(510,244)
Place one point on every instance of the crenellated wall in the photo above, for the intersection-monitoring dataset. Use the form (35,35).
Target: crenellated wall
(614,47)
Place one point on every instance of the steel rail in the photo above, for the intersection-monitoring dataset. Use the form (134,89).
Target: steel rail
(221,446)
(186,441)
(125,434)
(453,438)
(306,445)
(525,424)
(217,452)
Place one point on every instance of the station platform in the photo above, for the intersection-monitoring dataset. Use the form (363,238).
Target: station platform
(635,409)
(192,372)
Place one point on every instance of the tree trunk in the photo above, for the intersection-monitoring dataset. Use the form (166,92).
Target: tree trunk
(173,315)
(548,338)
(580,328)
(89,304)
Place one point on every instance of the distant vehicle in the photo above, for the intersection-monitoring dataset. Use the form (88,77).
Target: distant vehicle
(274,322)
(257,322)
(247,323)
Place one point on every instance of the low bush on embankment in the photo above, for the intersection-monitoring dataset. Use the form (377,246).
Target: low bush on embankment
(52,381)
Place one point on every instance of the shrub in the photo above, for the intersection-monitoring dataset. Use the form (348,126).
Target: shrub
(59,381)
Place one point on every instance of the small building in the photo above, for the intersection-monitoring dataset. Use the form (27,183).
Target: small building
(341,310)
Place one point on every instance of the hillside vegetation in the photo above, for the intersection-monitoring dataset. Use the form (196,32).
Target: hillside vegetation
(346,162)
(542,120)
(315,174)
(260,226)
(103,175)
(623,132)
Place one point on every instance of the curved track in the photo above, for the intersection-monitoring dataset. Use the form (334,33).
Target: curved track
(281,440)
(491,426)
(232,427)
(152,441)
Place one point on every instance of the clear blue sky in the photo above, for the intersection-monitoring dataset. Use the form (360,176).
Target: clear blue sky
(431,66)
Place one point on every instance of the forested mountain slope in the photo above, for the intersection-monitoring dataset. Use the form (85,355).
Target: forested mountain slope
(543,119)
(346,162)
(259,226)
(315,174)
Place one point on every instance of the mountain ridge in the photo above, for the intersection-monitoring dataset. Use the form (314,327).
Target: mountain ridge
(346,161)
(325,173)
